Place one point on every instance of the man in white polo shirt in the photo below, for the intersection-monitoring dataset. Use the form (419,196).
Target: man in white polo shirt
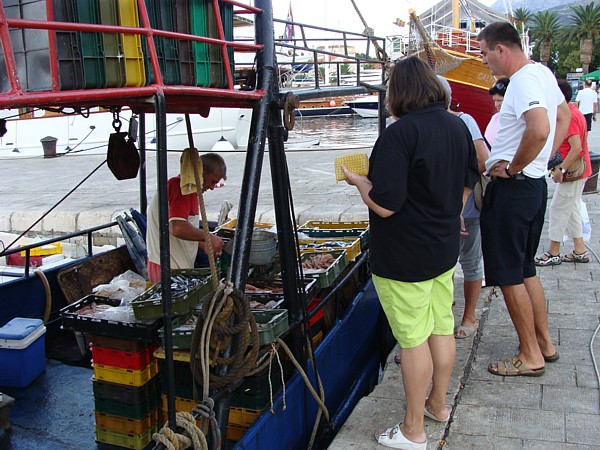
(587,102)
(533,116)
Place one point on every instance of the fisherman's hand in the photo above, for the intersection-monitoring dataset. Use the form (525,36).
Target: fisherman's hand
(217,244)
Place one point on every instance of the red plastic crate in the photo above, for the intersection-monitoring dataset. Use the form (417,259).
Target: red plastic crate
(124,360)
(319,315)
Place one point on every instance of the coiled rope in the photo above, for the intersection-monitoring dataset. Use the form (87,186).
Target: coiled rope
(175,441)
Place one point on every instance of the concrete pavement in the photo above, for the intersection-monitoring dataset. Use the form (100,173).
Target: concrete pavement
(559,410)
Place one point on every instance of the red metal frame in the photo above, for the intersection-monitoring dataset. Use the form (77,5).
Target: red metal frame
(179,98)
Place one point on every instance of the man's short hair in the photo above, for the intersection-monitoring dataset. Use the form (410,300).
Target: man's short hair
(214,163)
(500,33)
(566,89)
(588,83)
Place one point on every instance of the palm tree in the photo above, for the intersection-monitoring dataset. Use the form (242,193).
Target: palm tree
(545,27)
(521,17)
(585,26)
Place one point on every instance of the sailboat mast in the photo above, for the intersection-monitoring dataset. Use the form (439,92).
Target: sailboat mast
(456,14)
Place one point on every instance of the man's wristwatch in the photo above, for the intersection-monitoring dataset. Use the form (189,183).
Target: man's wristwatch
(562,170)
(508,172)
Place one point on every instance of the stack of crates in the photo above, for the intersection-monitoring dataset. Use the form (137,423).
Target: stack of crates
(126,392)
(89,60)
(250,399)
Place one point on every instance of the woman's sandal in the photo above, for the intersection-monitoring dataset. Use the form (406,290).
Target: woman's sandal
(393,438)
(576,257)
(548,259)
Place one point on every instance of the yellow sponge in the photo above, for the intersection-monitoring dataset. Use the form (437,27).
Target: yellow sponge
(357,163)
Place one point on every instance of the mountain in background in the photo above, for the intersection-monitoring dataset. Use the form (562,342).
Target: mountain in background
(541,5)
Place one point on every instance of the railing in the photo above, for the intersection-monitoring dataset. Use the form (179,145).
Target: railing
(453,38)
(133,95)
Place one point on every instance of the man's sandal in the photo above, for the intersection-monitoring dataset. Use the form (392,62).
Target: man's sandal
(548,259)
(514,367)
(576,257)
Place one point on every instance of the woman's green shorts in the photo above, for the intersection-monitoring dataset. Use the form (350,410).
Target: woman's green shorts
(415,311)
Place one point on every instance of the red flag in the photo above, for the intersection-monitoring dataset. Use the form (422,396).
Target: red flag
(289,28)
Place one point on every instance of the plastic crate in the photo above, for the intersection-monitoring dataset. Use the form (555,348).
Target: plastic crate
(327,276)
(271,324)
(199,28)
(132,395)
(162,17)
(227,19)
(143,330)
(132,44)
(227,230)
(214,51)
(30,47)
(182,336)
(124,360)
(149,306)
(126,440)
(123,409)
(186,52)
(310,288)
(254,393)
(125,376)
(114,65)
(92,51)
(319,245)
(127,425)
(240,419)
(358,228)
(125,345)
(68,47)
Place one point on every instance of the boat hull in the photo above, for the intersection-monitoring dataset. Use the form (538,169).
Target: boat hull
(348,352)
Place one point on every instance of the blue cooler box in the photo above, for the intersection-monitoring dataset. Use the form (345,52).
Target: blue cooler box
(22,353)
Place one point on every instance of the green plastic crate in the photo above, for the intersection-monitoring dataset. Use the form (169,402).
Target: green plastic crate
(92,52)
(161,14)
(352,228)
(114,62)
(327,276)
(146,308)
(271,324)
(200,28)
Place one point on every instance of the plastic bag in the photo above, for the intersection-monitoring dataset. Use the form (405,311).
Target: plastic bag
(586,226)
(125,287)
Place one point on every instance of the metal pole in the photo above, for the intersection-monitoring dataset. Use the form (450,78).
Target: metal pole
(142,144)
(165,251)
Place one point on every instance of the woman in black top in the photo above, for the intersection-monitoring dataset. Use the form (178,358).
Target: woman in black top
(421,169)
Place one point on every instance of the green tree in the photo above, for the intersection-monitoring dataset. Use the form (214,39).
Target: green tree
(584,25)
(521,17)
(546,25)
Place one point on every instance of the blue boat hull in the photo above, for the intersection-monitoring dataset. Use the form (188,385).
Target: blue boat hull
(348,353)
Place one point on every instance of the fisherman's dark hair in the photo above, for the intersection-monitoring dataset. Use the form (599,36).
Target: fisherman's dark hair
(500,33)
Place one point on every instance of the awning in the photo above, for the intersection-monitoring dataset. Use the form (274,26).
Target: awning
(594,76)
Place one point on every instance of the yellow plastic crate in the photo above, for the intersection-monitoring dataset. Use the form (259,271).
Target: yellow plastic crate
(44,250)
(352,248)
(126,425)
(178,355)
(135,74)
(182,405)
(330,225)
(243,417)
(235,432)
(126,440)
(228,228)
(129,377)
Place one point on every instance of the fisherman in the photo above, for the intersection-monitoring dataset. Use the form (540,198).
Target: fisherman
(187,238)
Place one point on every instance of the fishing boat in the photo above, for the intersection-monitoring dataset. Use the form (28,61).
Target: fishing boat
(340,364)
(453,52)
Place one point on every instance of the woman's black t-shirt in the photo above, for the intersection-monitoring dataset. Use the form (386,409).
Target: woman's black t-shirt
(419,167)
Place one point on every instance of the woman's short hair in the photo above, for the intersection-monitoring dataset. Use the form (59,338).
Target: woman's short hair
(500,86)
(413,85)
